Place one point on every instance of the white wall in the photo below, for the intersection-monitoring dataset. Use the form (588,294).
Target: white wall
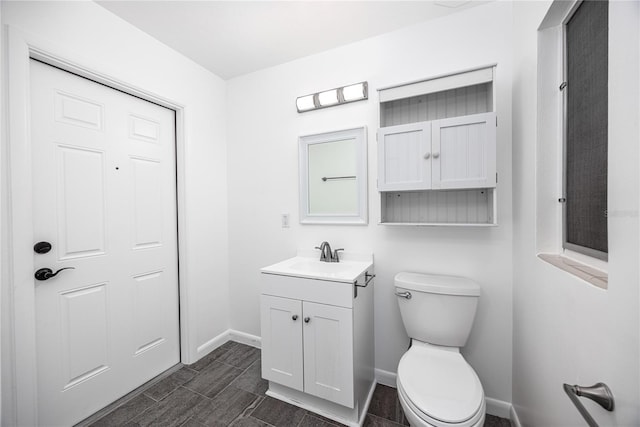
(106,43)
(566,330)
(263,127)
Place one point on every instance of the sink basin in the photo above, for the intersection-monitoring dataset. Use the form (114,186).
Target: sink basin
(346,270)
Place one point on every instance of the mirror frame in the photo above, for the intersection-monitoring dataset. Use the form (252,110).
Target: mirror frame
(361,216)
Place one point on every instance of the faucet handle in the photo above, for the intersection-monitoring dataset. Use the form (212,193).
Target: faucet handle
(335,257)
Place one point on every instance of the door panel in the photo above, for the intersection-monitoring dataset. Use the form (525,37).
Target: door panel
(281,320)
(328,352)
(149,311)
(74,110)
(404,157)
(84,333)
(147,200)
(81,224)
(144,129)
(467,152)
(104,197)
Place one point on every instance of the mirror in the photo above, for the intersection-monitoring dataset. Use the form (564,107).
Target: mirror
(333,177)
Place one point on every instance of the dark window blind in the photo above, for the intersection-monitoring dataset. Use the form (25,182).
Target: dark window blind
(586,127)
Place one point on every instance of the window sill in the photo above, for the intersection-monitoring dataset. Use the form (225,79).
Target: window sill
(583,271)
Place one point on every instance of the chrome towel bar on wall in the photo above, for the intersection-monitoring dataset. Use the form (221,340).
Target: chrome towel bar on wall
(599,393)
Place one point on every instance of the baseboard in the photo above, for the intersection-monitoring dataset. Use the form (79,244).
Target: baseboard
(386,378)
(228,335)
(244,338)
(498,408)
(515,421)
(212,344)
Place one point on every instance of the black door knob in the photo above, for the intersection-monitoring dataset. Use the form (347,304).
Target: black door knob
(47,273)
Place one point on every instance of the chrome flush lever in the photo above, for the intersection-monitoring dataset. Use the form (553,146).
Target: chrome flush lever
(406,295)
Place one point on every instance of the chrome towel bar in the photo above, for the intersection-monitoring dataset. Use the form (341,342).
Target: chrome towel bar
(368,278)
(599,393)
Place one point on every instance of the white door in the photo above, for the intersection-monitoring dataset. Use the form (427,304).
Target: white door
(105,199)
(328,352)
(464,152)
(280,321)
(404,157)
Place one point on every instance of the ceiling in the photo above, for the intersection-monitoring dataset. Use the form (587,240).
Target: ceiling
(232,38)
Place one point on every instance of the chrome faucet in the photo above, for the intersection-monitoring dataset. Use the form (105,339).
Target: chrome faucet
(325,253)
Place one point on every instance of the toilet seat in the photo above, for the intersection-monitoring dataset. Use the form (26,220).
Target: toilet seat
(439,387)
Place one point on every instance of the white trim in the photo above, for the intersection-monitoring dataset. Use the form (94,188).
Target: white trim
(437,84)
(367,403)
(245,338)
(21,47)
(386,378)
(498,408)
(228,335)
(515,421)
(211,345)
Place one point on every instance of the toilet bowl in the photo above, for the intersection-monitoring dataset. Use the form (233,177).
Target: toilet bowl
(436,386)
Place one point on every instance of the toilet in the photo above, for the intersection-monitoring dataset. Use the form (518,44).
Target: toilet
(436,385)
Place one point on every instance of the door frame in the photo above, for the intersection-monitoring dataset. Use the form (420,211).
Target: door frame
(21,333)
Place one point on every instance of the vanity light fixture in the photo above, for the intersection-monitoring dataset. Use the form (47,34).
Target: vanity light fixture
(332,97)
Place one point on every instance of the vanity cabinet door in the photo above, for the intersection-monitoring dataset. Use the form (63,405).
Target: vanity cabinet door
(328,352)
(404,157)
(464,152)
(281,320)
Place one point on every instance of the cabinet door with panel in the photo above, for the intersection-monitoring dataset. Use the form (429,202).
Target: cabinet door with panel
(328,352)
(464,152)
(404,157)
(281,320)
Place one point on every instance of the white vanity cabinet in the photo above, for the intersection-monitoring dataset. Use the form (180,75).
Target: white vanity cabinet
(308,347)
(317,336)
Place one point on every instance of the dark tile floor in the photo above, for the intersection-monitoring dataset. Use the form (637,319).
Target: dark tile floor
(225,389)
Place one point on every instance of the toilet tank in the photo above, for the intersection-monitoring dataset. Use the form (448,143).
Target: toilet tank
(440,310)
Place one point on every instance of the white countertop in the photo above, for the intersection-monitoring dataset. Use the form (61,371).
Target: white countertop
(308,265)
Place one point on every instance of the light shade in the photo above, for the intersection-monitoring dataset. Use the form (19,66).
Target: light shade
(305,103)
(329,98)
(354,92)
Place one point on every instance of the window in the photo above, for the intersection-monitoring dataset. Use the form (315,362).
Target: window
(586,124)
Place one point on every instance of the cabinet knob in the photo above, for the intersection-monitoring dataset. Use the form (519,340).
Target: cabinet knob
(436,155)
(427,155)
(294,317)
(307,319)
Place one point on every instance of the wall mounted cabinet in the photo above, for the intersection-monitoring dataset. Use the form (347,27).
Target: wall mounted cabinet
(437,151)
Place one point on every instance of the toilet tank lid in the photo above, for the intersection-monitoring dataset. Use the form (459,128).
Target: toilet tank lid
(437,284)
